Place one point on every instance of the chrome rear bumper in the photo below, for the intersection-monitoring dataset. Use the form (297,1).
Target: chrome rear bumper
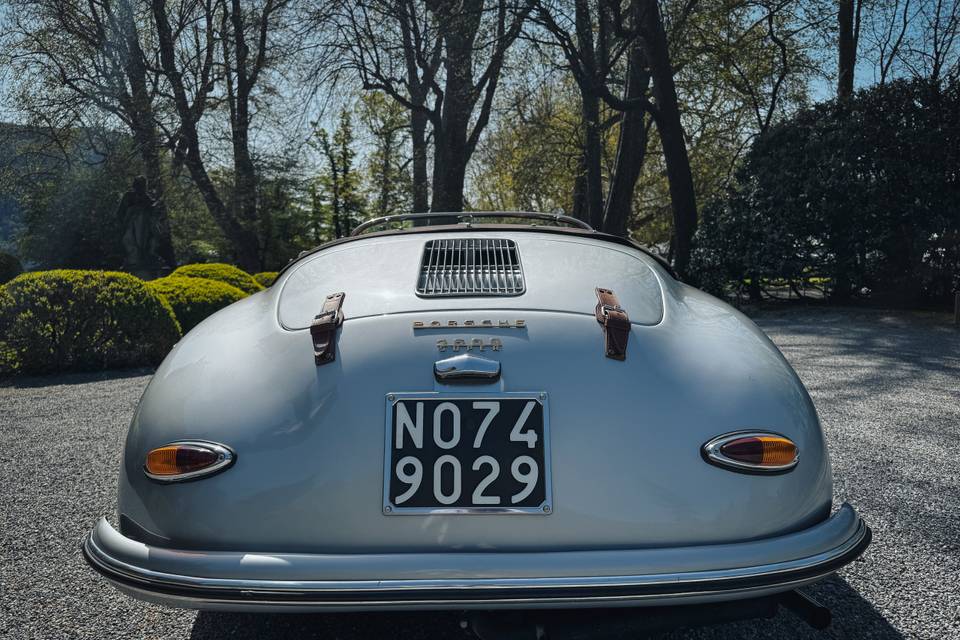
(480,580)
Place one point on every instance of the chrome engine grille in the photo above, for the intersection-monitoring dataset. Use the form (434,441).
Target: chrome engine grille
(470,267)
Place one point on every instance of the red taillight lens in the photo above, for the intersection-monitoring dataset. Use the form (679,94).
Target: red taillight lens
(761,450)
(752,451)
(183,460)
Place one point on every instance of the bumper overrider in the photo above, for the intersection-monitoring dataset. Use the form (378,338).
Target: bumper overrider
(241,581)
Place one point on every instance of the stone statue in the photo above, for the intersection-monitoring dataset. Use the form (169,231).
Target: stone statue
(139,216)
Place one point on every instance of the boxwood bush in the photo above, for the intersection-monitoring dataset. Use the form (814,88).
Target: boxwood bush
(222,272)
(72,320)
(193,299)
(265,278)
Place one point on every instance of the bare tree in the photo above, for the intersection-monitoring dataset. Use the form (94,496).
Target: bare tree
(682,195)
(934,52)
(212,52)
(442,60)
(848,38)
(888,31)
(596,42)
(246,46)
(395,47)
(913,38)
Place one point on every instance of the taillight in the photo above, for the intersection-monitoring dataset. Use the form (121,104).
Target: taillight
(752,451)
(187,460)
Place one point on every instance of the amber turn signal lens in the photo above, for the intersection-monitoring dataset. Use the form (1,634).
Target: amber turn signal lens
(752,452)
(182,460)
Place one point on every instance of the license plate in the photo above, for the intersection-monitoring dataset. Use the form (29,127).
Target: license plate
(466,454)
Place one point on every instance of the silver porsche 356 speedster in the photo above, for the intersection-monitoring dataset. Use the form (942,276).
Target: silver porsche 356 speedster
(522,414)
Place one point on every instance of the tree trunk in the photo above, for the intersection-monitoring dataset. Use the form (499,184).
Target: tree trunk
(580,211)
(418,137)
(244,172)
(244,241)
(631,150)
(847,48)
(592,157)
(449,166)
(244,175)
(144,128)
(246,248)
(590,114)
(682,196)
(451,150)
(450,142)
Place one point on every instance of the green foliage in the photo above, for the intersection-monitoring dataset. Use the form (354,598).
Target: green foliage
(265,278)
(863,192)
(222,272)
(10,267)
(390,188)
(69,210)
(193,299)
(338,202)
(69,320)
(528,161)
(286,226)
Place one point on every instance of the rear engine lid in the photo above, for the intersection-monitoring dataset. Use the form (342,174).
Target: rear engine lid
(385,275)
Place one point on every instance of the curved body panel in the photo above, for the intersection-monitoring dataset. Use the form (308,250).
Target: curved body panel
(379,275)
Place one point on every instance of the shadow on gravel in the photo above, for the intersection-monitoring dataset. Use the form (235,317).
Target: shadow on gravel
(339,626)
(34,382)
(853,617)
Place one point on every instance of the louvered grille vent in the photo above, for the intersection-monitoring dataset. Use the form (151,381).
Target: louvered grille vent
(470,267)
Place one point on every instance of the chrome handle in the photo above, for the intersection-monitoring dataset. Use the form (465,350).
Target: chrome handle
(466,368)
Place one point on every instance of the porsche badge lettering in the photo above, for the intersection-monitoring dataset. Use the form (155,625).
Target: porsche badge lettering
(494,344)
(470,324)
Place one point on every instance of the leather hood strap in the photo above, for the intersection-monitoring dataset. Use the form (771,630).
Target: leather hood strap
(615,322)
(323,329)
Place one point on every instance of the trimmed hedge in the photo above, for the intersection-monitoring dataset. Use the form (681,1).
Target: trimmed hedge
(73,320)
(266,278)
(193,299)
(10,267)
(223,272)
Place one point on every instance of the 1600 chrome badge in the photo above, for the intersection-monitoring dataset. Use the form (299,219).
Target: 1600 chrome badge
(494,344)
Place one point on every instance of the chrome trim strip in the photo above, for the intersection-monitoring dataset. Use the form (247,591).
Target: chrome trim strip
(478,591)
(545,508)
(469,217)
(225,458)
(711,453)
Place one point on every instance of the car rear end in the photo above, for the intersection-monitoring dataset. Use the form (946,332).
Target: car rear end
(457,433)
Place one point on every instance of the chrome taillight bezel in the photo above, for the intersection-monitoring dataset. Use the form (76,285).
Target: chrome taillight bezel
(226,457)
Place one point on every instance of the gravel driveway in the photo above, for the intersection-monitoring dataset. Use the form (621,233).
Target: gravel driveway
(887,387)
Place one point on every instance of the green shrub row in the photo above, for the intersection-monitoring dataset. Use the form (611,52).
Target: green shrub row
(77,320)
(222,272)
(266,278)
(72,320)
(193,299)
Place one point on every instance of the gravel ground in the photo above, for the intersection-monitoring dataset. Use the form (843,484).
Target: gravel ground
(887,387)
